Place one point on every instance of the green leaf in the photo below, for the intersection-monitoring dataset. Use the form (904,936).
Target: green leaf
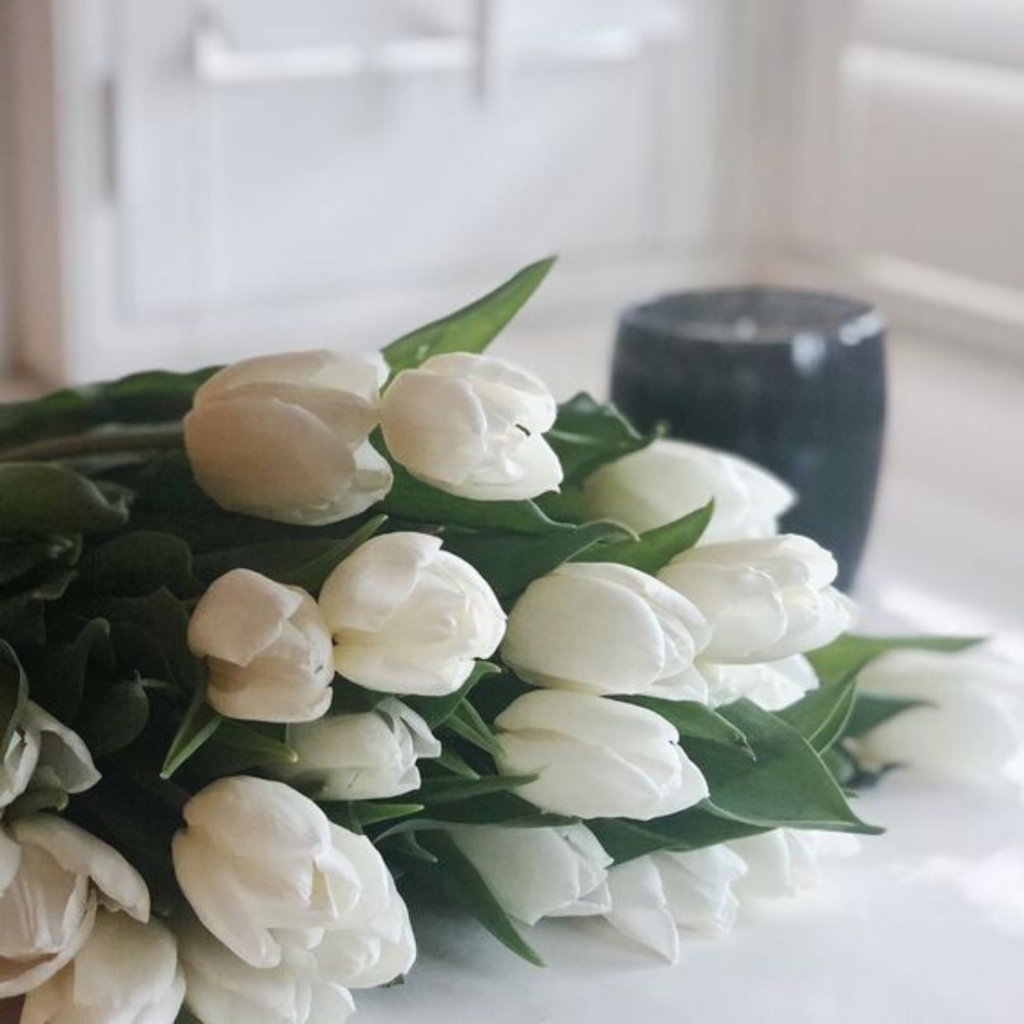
(136,564)
(153,397)
(587,435)
(22,613)
(367,812)
(786,784)
(820,716)
(455,763)
(13,694)
(161,618)
(42,498)
(510,562)
(694,720)
(434,792)
(844,658)
(19,559)
(871,710)
(654,549)
(692,829)
(349,699)
(435,711)
(297,562)
(472,328)
(59,672)
(411,499)
(115,719)
(198,725)
(463,885)
(252,745)
(465,721)
(495,808)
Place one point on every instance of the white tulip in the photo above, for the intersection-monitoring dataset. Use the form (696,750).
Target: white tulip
(126,973)
(669,479)
(472,426)
(265,871)
(267,649)
(652,896)
(222,989)
(408,617)
(765,599)
(972,726)
(45,754)
(605,629)
(771,685)
(366,756)
(785,861)
(286,437)
(596,758)
(540,872)
(48,908)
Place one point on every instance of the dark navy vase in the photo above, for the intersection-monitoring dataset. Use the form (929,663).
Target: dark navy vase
(793,380)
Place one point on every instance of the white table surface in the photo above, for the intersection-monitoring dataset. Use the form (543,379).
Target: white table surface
(927,924)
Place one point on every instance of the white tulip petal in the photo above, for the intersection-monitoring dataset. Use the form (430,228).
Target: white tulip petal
(64,760)
(640,910)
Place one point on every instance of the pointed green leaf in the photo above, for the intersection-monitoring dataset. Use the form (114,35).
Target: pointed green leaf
(465,721)
(587,435)
(820,716)
(785,784)
(654,549)
(136,564)
(693,720)
(412,500)
(434,792)
(844,658)
(435,711)
(40,498)
(472,328)
(115,718)
(198,725)
(510,562)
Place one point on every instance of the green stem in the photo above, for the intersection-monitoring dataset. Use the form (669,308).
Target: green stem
(77,446)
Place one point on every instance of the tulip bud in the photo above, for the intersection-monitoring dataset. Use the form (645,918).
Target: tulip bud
(785,860)
(222,989)
(596,758)
(971,725)
(286,437)
(126,973)
(771,685)
(605,629)
(367,756)
(408,617)
(48,908)
(540,872)
(669,479)
(765,599)
(268,874)
(471,425)
(45,754)
(652,896)
(267,648)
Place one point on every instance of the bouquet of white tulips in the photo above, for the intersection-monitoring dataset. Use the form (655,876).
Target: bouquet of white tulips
(287,642)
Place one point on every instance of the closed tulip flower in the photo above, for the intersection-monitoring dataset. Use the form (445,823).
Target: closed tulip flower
(267,649)
(785,861)
(286,437)
(223,989)
(44,754)
(764,599)
(605,629)
(970,724)
(366,756)
(669,479)
(472,426)
(265,871)
(596,758)
(126,973)
(540,872)
(652,896)
(408,617)
(56,879)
